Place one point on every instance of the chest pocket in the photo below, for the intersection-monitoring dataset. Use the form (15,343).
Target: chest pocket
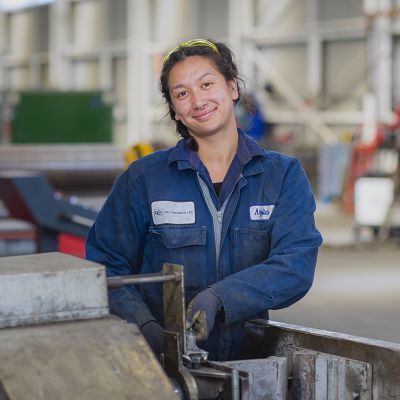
(250,247)
(181,245)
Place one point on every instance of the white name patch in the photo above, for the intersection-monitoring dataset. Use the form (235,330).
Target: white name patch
(172,212)
(261,213)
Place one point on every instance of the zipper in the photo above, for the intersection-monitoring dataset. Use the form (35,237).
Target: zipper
(216,215)
(219,217)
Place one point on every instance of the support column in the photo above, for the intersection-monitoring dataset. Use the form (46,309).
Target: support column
(106,57)
(380,56)
(3,49)
(314,52)
(22,45)
(139,73)
(236,23)
(171,20)
(370,126)
(241,19)
(396,73)
(88,19)
(60,68)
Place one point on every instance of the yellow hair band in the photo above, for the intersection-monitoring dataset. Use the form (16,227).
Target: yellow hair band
(191,43)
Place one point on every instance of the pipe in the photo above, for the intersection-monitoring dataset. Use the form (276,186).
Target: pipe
(235,384)
(115,282)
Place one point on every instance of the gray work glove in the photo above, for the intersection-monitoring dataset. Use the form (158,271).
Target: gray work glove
(154,335)
(201,313)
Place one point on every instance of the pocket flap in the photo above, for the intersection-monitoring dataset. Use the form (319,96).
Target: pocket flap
(173,237)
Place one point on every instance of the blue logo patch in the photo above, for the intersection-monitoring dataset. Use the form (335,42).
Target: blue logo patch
(261,213)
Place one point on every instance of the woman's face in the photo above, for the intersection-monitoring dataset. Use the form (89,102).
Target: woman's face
(201,97)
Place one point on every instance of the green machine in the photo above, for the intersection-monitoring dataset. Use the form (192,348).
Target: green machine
(62,117)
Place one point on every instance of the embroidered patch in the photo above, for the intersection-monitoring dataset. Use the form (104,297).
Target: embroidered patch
(261,213)
(172,212)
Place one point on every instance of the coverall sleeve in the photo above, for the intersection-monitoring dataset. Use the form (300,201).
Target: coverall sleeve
(116,240)
(287,274)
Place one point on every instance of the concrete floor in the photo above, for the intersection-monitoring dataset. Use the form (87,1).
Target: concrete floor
(356,289)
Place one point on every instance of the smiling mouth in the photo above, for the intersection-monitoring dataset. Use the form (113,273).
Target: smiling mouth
(203,115)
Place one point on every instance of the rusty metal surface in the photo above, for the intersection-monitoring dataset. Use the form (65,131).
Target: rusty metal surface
(325,376)
(174,366)
(90,360)
(245,379)
(174,303)
(269,377)
(50,287)
(268,338)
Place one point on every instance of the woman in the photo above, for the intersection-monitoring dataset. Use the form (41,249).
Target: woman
(239,218)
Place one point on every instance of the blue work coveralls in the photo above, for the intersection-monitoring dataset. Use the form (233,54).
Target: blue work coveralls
(255,244)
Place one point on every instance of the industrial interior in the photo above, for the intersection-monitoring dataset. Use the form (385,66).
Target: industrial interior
(80,101)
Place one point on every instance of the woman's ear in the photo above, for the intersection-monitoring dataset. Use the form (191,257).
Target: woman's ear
(233,86)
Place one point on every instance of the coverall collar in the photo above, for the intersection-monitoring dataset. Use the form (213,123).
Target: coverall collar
(186,158)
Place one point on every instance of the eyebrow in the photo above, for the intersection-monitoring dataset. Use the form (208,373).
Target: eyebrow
(198,79)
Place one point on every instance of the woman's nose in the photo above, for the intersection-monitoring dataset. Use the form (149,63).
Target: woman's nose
(198,101)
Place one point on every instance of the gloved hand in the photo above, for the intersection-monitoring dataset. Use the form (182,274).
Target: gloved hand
(153,333)
(201,313)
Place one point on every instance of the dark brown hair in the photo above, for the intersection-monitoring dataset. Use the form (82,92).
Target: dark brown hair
(223,61)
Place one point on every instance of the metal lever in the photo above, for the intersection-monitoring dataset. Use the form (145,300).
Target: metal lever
(115,282)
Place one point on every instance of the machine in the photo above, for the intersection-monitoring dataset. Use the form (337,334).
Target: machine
(58,341)
(60,225)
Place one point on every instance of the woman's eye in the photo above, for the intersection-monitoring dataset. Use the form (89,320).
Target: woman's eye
(181,94)
(207,84)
